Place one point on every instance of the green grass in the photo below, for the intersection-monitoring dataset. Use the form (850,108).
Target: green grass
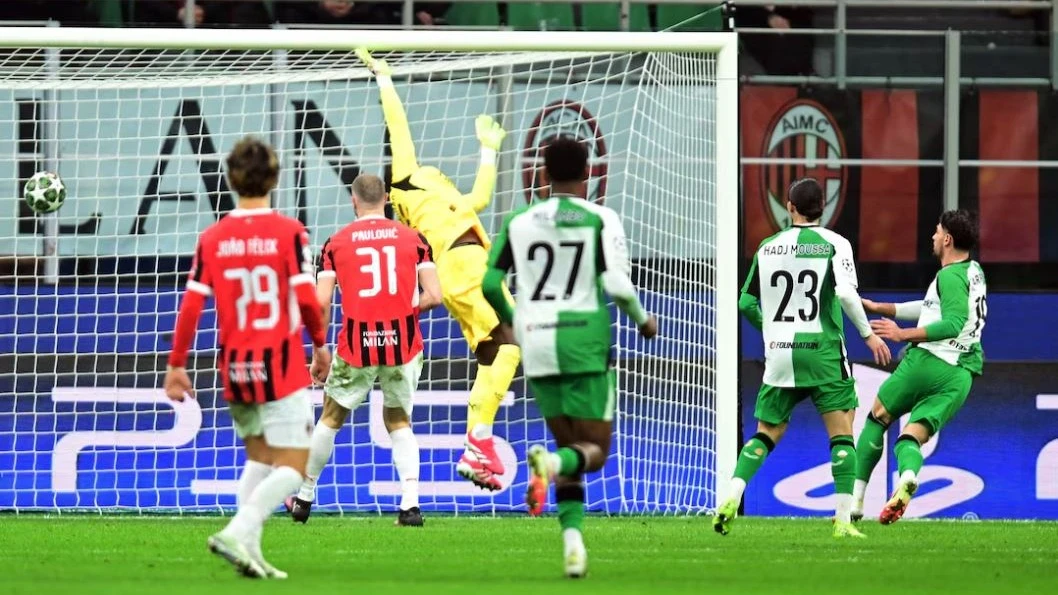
(508,555)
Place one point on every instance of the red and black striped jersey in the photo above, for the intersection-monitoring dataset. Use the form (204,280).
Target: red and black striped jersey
(251,261)
(376,262)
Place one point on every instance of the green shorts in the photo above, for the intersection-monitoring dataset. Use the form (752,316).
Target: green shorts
(931,389)
(775,404)
(583,396)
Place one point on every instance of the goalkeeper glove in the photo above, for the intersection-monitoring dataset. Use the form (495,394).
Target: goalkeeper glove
(378,67)
(489,131)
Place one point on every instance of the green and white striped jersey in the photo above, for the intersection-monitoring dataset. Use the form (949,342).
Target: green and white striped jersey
(799,282)
(953,314)
(567,254)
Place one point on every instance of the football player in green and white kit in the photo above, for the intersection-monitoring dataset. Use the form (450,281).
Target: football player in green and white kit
(932,381)
(800,281)
(569,254)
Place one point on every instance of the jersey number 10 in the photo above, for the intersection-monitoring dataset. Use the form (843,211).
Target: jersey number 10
(809,281)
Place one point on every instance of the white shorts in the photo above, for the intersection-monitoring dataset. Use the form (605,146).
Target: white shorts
(348,385)
(285,423)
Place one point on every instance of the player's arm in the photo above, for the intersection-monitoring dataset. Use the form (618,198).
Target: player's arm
(400,141)
(954,310)
(617,273)
(846,288)
(749,298)
(899,310)
(177,383)
(501,261)
(300,279)
(326,281)
(429,282)
(491,135)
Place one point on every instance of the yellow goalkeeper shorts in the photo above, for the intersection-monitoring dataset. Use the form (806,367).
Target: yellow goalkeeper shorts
(461,270)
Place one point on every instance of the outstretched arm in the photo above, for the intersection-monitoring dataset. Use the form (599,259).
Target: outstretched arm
(400,141)
(491,135)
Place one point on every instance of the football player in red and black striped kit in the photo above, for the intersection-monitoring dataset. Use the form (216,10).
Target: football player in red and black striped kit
(257,266)
(387,275)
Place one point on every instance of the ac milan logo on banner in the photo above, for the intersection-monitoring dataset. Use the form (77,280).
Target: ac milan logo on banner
(803,129)
(564,118)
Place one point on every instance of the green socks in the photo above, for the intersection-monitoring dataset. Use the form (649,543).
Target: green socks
(869,448)
(843,463)
(908,454)
(570,506)
(571,462)
(752,456)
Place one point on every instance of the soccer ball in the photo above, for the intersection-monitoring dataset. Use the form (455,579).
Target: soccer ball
(45,192)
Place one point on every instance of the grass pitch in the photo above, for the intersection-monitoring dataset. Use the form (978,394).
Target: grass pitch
(511,555)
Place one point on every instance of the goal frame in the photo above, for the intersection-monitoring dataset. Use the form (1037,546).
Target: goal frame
(723,44)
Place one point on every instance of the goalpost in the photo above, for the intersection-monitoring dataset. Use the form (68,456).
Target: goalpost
(137,123)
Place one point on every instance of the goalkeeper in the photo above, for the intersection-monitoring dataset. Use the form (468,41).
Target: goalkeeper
(425,199)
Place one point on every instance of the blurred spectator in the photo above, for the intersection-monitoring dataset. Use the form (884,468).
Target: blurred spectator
(347,12)
(170,13)
(332,12)
(252,13)
(67,12)
(778,54)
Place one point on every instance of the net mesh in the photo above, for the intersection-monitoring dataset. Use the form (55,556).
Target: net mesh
(139,136)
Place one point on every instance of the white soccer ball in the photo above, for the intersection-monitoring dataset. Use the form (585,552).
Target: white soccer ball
(45,192)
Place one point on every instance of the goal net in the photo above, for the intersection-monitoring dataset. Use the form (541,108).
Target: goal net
(137,124)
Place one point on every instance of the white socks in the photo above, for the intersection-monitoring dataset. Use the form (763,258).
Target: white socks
(319,454)
(481,431)
(406,460)
(253,473)
(859,490)
(738,488)
(908,476)
(843,512)
(269,494)
(572,538)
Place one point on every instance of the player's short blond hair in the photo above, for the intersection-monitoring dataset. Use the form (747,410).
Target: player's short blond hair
(253,168)
(369,189)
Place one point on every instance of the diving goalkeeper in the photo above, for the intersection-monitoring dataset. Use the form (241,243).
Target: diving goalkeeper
(425,199)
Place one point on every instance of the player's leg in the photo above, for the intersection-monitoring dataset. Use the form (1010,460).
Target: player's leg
(235,548)
(398,387)
(400,141)
(895,397)
(579,412)
(948,388)
(286,427)
(835,401)
(461,270)
(345,389)
(773,409)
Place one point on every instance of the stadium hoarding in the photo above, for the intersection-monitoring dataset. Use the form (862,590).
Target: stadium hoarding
(888,211)
(997,459)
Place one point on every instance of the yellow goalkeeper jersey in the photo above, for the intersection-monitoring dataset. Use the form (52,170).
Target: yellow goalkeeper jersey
(429,202)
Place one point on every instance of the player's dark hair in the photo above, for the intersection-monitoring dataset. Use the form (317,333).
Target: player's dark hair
(566,159)
(371,190)
(807,197)
(961,225)
(253,168)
